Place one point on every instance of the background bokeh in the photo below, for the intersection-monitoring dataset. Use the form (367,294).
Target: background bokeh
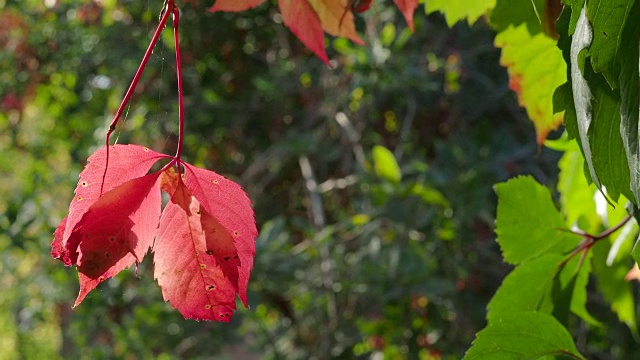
(359,265)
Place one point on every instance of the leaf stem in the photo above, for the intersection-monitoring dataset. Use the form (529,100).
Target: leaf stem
(589,240)
(176,21)
(132,86)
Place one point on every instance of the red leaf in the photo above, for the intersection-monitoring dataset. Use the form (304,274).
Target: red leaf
(334,19)
(304,23)
(407,7)
(226,202)
(126,162)
(116,231)
(188,264)
(235,5)
(204,247)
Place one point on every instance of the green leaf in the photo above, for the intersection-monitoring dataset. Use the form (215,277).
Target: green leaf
(525,287)
(582,95)
(456,10)
(576,196)
(573,278)
(609,158)
(385,164)
(528,224)
(605,145)
(516,12)
(522,335)
(630,103)
(607,18)
(610,279)
(536,68)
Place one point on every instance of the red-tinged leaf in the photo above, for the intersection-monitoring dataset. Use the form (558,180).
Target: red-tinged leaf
(57,250)
(335,21)
(235,5)
(126,162)
(187,260)
(116,231)
(536,68)
(304,23)
(407,7)
(230,206)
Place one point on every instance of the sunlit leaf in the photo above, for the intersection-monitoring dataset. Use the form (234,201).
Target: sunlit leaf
(522,335)
(540,231)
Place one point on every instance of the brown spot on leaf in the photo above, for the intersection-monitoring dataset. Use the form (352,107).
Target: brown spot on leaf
(209,252)
(203,266)
(207,306)
(210,287)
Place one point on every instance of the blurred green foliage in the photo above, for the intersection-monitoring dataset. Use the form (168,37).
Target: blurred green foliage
(359,254)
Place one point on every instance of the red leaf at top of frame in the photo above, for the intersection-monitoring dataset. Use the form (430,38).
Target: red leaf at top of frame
(235,5)
(304,23)
(199,264)
(407,7)
(126,162)
(335,21)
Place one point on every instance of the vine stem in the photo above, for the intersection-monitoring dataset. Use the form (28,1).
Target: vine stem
(134,82)
(176,21)
(589,240)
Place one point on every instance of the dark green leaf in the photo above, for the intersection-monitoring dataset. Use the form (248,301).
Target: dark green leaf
(607,19)
(630,103)
(516,12)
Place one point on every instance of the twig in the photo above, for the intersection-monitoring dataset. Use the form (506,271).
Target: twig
(589,240)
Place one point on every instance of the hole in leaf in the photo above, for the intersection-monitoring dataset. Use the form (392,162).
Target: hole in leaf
(198,212)
(210,287)
(209,252)
(79,198)
(84,184)
(145,148)
(215,181)
(235,233)
(207,306)
(203,266)
(101,278)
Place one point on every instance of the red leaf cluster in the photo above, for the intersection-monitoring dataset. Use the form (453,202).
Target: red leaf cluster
(308,20)
(204,238)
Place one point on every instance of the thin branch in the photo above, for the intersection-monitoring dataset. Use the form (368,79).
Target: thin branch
(176,21)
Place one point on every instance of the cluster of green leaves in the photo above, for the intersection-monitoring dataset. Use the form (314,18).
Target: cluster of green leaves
(402,141)
(401,250)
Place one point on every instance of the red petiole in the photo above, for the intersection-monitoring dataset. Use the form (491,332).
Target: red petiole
(169,9)
(589,240)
